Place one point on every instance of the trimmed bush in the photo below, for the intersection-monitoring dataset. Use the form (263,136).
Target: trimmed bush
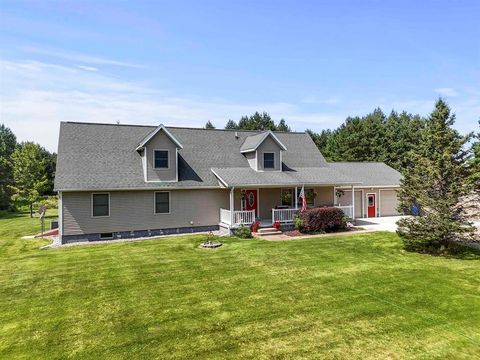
(325,219)
(243,232)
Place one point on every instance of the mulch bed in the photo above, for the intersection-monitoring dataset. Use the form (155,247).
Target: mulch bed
(298,233)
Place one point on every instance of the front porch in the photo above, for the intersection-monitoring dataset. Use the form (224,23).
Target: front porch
(269,205)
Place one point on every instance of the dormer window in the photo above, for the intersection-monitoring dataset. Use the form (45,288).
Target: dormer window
(269,160)
(160,159)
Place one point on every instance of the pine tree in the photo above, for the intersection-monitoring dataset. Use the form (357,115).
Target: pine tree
(209,125)
(29,173)
(435,184)
(231,125)
(282,126)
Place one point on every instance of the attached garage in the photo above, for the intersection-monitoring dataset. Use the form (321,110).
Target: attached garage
(388,202)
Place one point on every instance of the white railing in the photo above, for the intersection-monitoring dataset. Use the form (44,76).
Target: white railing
(243,217)
(225,216)
(347,210)
(239,217)
(283,215)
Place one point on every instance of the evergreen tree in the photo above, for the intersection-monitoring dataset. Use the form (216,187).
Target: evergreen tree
(321,140)
(435,183)
(50,166)
(282,126)
(8,142)
(231,125)
(29,173)
(209,125)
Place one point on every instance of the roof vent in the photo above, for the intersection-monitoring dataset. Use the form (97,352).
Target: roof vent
(236,134)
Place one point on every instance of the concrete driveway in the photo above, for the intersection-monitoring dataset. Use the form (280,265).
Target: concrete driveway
(386,223)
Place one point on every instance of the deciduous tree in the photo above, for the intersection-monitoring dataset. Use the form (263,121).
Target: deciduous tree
(8,141)
(29,173)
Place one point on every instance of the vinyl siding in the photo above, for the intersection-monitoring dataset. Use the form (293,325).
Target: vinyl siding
(252,159)
(346,200)
(268,145)
(134,210)
(161,142)
(388,202)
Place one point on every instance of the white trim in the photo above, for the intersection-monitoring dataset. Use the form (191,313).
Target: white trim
(91,201)
(376,199)
(281,160)
(232,206)
(155,203)
(153,133)
(335,198)
(60,215)
(176,164)
(145,164)
(353,202)
(371,187)
(268,133)
(256,160)
(219,178)
(263,159)
(168,160)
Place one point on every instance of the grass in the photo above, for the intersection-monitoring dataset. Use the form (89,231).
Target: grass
(356,296)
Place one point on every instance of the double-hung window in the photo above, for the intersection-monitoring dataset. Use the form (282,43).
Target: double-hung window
(100,204)
(269,160)
(160,159)
(162,202)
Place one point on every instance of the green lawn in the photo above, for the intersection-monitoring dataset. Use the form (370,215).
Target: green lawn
(351,297)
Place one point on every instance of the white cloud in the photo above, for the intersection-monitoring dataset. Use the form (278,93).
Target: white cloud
(446,91)
(311,99)
(36,96)
(87,68)
(78,57)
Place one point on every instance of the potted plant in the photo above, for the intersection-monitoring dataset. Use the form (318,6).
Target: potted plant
(277,225)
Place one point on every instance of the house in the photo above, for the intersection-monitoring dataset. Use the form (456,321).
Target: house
(121,181)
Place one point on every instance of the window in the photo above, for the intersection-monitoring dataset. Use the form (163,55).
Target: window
(105,236)
(101,204)
(287,197)
(268,160)
(162,202)
(160,159)
(309,195)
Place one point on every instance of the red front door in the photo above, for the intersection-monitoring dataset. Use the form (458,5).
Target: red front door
(250,201)
(371,198)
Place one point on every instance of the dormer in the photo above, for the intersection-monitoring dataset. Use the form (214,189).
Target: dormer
(263,151)
(159,152)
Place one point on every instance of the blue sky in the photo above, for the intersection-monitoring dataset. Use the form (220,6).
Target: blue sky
(185,62)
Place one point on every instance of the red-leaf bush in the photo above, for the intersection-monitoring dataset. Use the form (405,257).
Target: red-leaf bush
(254,227)
(277,225)
(326,219)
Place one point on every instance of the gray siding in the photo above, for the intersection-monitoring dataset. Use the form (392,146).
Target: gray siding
(161,142)
(252,159)
(134,210)
(268,145)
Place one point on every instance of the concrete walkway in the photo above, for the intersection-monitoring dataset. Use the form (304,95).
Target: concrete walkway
(386,223)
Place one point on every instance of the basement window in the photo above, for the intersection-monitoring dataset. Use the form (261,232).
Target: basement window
(106,236)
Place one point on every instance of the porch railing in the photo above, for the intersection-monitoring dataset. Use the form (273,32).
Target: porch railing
(283,215)
(347,210)
(246,217)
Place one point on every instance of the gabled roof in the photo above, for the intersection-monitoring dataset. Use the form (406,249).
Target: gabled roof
(153,133)
(251,143)
(369,173)
(104,157)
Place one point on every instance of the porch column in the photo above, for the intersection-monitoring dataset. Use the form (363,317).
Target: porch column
(296,198)
(353,203)
(232,206)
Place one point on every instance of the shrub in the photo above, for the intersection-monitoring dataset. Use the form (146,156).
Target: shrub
(277,225)
(298,223)
(243,232)
(255,226)
(322,219)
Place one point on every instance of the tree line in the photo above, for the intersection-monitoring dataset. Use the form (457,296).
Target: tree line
(27,171)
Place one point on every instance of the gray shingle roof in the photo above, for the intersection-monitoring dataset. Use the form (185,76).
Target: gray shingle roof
(369,173)
(253,142)
(306,176)
(103,156)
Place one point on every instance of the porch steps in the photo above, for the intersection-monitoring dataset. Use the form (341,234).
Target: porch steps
(268,231)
